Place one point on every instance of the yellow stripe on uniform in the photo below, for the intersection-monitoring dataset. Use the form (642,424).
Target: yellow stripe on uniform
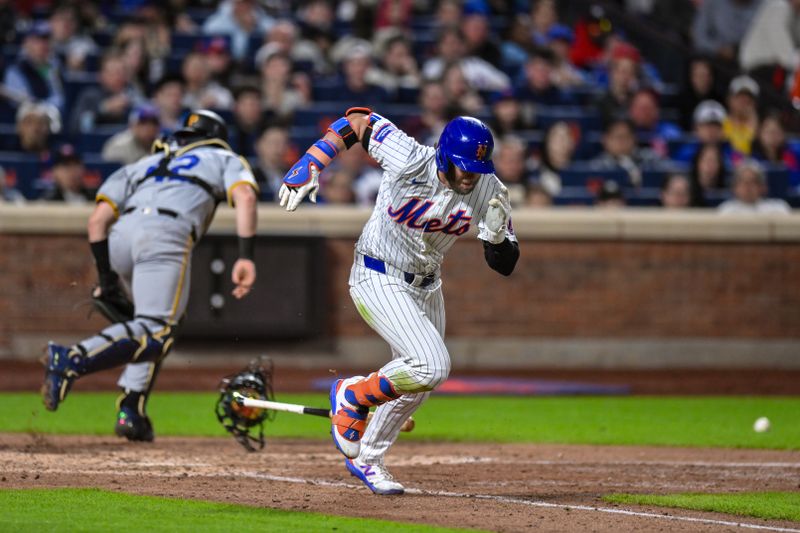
(179,290)
(103,198)
(240,182)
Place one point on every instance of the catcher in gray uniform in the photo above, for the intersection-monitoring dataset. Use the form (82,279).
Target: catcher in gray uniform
(148,217)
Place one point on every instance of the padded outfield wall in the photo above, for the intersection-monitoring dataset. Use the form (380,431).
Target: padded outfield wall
(632,289)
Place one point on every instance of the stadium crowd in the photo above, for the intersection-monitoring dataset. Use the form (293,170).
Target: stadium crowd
(582,115)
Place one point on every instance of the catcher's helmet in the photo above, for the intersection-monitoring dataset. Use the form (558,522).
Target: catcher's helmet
(253,382)
(468,144)
(203,124)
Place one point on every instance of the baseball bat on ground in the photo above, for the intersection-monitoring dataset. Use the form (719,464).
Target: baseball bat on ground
(244,401)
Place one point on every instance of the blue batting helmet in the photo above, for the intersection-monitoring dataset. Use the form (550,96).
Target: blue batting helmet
(468,144)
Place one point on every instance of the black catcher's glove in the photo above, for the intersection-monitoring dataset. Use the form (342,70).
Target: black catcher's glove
(110,300)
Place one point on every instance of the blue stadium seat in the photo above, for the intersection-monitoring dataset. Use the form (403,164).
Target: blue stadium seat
(24,170)
(581,175)
(94,140)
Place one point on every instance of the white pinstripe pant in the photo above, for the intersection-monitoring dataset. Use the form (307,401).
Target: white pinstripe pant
(412,320)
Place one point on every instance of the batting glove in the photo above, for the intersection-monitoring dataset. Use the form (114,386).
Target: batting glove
(302,180)
(496,218)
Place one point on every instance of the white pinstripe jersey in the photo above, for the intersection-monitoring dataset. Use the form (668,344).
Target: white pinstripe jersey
(417,218)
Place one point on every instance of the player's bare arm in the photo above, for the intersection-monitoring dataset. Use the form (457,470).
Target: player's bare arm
(244,270)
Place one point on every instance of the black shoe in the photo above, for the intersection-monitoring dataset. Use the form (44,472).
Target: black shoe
(133,426)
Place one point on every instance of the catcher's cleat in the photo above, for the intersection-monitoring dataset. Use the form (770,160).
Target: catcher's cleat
(347,420)
(59,374)
(133,426)
(375,477)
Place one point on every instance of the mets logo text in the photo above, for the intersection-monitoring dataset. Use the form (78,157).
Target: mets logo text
(411,213)
(480,153)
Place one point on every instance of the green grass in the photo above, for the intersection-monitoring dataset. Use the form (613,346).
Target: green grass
(630,420)
(767,505)
(100,510)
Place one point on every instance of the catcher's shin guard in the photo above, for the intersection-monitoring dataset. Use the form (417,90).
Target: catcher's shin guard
(143,339)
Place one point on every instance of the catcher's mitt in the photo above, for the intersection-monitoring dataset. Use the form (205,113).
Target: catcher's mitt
(255,381)
(110,300)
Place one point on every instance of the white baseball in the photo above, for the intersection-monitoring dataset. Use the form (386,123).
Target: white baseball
(761,424)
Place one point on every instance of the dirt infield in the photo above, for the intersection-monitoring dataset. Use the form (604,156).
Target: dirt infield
(495,487)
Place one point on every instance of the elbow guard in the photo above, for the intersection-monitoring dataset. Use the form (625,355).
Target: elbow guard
(344,130)
(501,258)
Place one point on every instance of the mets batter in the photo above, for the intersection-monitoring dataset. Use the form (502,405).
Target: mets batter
(428,198)
(148,217)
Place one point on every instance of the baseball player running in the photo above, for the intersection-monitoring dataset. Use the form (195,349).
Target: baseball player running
(428,197)
(148,217)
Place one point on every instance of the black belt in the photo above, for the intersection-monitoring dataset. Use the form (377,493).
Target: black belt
(164,212)
(379,266)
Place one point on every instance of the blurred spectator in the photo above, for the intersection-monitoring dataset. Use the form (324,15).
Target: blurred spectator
(35,75)
(239,19)
(771,48)
(478,38)
(708,173)
(279,97)
(610,196)
(749,190)
(217,55)
(448,13)
(36,123)
(510,163)
(565,74)
(675,192)
(515,45)
(557,152)
(623,81)
(248,121)
(315,20)
(592,33)
(645,114)
(537,85)
(69,45)
(141,69)
(399,67)
(9,194)
(200,91)
(720,25)
(354,84)
(275,157)
(283,37)
(480,74)
(133,143)
(543,17)
(537,196)
(157,34)
(68,174)
(168,97)
(508,116)
(337,187)
(741,124)
(620,152)
(435,112)
(708,119)
(700,87)
(459,93)
(771,148)
(110,102)
(393,14)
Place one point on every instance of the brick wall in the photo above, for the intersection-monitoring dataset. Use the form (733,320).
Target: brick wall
(588,289)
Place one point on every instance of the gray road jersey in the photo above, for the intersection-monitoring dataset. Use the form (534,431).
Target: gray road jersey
(221,169)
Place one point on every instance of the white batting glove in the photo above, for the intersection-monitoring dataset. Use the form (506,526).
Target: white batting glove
(292,196)
(496,218)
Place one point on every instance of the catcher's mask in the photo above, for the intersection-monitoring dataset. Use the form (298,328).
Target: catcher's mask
(253,382)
